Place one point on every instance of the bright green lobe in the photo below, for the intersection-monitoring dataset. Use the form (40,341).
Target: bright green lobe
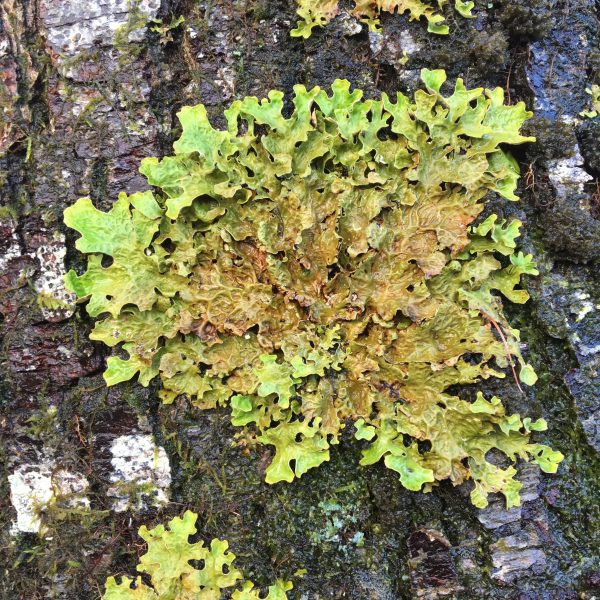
(123,234)
(180,570)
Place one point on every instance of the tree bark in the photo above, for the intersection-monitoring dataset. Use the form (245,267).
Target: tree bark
(87,89)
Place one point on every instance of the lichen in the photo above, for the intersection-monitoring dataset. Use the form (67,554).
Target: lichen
(34,489)
(594,108)
(141,473)
(316,13)
(339,527)
(312,271)
(173,576)
(73,28)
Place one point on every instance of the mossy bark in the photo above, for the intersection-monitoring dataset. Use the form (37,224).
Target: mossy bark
(88,91)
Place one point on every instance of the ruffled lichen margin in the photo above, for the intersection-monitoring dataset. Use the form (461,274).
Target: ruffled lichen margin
(317,13)
(179,569)
(322,269)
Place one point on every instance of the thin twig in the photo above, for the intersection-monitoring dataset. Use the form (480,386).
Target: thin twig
(506,347)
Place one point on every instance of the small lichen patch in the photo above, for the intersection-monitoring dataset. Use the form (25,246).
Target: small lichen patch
(178,569)
(9,247)
(34,487)
(340,527)
(48,276)
(76,25)
(316,13)
(55,301)
(141,473)
(568,174)
(408,42)
(582,306)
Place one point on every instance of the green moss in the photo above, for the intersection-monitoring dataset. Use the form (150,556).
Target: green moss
(50,302)
(526,19)
(136,19)
(317,270)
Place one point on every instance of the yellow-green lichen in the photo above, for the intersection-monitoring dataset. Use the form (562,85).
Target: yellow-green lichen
(316,13)
(173,576)
(321,269)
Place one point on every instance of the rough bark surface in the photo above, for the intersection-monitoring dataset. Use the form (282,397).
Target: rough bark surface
(87,89)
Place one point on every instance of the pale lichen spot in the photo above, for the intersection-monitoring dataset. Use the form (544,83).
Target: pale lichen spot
(141,473)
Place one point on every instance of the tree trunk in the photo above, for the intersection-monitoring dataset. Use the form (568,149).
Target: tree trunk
(90,88)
